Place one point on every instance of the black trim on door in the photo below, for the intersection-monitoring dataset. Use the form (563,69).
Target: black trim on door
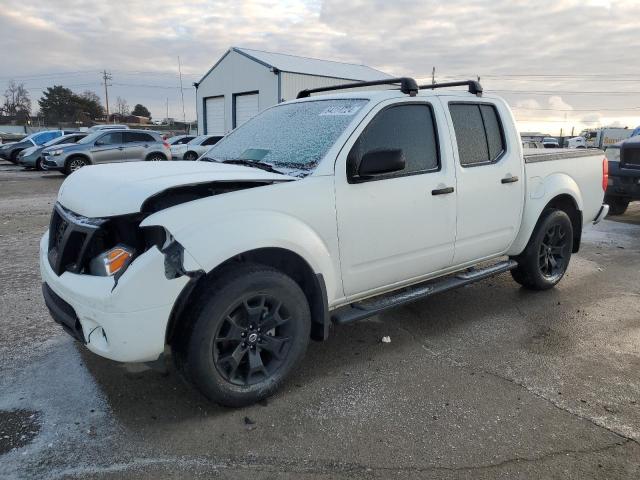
(436,132)
(233,104)
(502,134)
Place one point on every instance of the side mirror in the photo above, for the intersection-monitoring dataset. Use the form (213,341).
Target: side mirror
(378,162)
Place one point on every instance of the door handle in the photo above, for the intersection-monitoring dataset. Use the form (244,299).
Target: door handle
(442,191)
(513,179)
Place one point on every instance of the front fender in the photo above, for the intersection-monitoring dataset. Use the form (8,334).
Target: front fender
(540,191)
(211,243)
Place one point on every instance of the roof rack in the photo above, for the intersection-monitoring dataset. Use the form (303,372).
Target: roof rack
(407,85)
(474,86)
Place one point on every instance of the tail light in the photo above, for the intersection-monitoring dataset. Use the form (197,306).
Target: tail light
(166,145)
(605,173)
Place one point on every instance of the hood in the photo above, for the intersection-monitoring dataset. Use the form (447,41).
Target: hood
(66,146)
(123,188)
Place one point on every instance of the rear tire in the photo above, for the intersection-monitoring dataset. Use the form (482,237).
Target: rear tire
(39,165)
(190,156)
(617,205)
(14,156)
(546,258)
(156,157)
(249,328)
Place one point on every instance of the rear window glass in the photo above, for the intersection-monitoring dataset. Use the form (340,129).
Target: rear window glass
(479,133)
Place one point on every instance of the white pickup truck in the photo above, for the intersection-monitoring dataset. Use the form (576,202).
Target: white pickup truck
(329,208)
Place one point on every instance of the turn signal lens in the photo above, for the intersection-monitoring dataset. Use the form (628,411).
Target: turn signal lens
(605,173)
(111,262)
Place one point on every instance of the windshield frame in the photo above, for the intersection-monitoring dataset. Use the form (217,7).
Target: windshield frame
(332,149)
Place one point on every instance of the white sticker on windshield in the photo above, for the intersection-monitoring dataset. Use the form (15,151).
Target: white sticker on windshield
(341,110)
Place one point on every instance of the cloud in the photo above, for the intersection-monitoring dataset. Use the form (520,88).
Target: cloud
(498,40)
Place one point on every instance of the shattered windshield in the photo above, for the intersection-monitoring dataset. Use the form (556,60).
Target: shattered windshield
(292,138)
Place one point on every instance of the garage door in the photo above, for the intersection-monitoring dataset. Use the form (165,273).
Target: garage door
(214,107)
(246,107)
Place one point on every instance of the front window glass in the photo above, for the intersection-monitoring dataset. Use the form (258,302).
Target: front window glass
(293,137)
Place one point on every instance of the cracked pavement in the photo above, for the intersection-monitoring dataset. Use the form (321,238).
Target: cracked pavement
(489,381)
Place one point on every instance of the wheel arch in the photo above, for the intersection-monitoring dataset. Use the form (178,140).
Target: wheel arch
(153,154)
(84,156)
(286,261)
(558,191)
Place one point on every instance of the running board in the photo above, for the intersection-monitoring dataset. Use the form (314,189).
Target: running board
(368,308)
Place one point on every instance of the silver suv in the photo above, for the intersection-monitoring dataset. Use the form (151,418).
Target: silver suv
(106,147)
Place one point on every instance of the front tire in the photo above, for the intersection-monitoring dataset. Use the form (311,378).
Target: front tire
(617,205)
(190,156)
(156,157)
(39,165)
(546,258)
(74,164)
(250,328)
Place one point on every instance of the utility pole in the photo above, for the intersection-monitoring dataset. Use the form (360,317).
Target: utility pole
(184,116)
(433,75)
(167,117)
(106,76)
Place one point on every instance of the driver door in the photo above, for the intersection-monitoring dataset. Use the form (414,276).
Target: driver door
(397,227)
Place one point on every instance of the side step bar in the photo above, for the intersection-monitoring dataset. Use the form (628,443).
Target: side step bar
(368,308)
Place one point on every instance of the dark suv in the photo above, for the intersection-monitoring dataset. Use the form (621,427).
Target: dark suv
(624,175)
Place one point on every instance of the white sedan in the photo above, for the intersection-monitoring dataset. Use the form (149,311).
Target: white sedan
(195,148)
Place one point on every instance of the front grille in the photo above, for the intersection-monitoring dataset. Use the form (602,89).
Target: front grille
(70,240)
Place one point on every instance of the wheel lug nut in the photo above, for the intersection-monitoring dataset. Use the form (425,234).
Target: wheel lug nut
(243,334)
(259,329)
(244,344)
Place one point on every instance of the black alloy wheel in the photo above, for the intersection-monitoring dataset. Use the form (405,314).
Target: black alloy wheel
(253,340)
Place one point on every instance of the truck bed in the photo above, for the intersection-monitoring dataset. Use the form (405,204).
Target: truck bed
(534,155)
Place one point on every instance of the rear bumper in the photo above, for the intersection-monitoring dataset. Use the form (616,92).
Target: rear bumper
(623,182)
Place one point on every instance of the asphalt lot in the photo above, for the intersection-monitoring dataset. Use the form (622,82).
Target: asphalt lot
(489,381)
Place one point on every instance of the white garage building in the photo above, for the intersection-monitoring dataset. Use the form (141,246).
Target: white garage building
(244,82)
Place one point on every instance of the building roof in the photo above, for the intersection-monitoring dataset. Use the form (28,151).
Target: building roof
(307,66)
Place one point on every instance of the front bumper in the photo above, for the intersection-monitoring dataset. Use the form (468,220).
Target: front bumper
(52,163)
(126,321)
(604,210)
(28,160)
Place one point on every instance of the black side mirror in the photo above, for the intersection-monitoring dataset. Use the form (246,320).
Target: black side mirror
(378,162)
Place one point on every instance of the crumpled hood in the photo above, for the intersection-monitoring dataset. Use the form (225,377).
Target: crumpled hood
(122,188)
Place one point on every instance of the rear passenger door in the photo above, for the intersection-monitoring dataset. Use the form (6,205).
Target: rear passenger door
(395,228)
(136,145)
(490,175)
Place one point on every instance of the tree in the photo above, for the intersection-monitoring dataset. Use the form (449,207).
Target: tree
(60,104)
(16,101)
(141,111)
(90,104)
(122,107)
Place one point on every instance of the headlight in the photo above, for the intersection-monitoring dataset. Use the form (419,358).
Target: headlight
(56,152)
(112,261)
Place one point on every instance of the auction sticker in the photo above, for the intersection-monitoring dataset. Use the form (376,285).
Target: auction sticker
(341,110)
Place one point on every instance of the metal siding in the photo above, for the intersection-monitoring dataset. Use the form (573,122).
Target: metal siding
(214,108)
(292,83)
(234,74)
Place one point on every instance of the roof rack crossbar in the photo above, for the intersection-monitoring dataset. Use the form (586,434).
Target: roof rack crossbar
(474,86)
(407,86)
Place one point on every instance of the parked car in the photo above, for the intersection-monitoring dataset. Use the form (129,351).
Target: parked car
(180,139)
(550,142)
(10,151)
(106,147)
(194,148)
(532,144)
(108,126)
(326,208)
(32,157)
(624,175)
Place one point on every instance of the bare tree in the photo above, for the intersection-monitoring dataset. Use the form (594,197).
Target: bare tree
(122,107)
(16,100)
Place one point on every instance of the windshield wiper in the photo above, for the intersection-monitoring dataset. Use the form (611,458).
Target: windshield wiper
(209,159)
(253,163)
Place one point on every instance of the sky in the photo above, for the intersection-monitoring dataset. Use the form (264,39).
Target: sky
(566,64)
